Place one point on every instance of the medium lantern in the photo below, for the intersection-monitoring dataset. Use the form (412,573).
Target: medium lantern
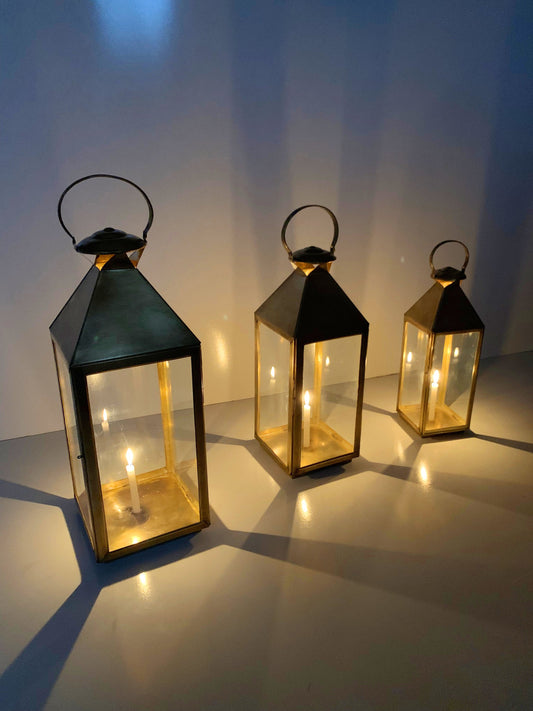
(130,378)
(440,355)
(310,364)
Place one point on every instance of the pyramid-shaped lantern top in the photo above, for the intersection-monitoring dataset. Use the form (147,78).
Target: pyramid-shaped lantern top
(115,315)
(445,308)
(309,305)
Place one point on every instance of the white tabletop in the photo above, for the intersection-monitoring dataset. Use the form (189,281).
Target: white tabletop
(402,580)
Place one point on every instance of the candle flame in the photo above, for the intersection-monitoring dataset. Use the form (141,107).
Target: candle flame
(272,372)
(306,398)
(327,361)
(456,353)
(436,376)
(129,456)
(104,415)
(409,357)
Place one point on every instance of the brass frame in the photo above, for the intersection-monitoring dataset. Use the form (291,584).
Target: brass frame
(309,307)
(294,425)
(421,428)
(444,310)
(88,456)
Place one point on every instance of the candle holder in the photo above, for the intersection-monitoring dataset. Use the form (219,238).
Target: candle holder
(441,347)
(311,345)
(130,379)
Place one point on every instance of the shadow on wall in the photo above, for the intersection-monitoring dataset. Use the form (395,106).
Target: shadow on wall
(504,243)
(259,175)
(369,30)
(266,170)
(261,180)
(298,101)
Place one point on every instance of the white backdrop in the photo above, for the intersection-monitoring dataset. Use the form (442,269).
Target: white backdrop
(411,120)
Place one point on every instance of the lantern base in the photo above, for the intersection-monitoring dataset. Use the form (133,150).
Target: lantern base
(166,506)
(445,420)
(325,445)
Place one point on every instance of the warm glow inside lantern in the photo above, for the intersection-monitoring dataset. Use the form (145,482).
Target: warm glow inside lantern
(440,355)
(129,374)
(311,345)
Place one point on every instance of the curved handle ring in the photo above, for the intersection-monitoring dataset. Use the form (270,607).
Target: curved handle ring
(106,175)
(446,241)
(303,207)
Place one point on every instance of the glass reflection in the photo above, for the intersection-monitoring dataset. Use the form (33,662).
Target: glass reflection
(304,509)
(423,475)
(143,421)
(144,585)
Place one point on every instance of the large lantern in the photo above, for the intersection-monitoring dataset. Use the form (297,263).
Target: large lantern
(440,355)
(130,378)
(310,364)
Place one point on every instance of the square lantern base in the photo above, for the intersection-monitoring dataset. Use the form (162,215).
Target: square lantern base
(167,511)
(446,420)
(324,443)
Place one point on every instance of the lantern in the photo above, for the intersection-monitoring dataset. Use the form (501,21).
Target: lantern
(130,379)
(440,355)
(310,363)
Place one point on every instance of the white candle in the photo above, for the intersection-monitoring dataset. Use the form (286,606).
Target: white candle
(134,491)
(306,421)
(105,423)
(433,395)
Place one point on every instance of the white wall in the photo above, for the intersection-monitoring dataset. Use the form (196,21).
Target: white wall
(411,120)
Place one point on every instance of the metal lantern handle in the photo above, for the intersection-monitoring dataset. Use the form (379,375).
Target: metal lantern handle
(115,177)
(447,241)
(299,209)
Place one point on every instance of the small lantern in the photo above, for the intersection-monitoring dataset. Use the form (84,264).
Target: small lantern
(130,378)
(310,364)
(440,355)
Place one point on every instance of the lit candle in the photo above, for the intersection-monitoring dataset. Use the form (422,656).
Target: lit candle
(307,421)
(433,395)
(456,353)
(105,423)
(134,491)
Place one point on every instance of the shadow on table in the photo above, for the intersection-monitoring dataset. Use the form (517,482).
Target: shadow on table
(479,590)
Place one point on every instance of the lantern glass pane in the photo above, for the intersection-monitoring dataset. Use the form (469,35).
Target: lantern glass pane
(274,372)
(451,379)
(412,375)
(329,399)
(143,423)
(71,431)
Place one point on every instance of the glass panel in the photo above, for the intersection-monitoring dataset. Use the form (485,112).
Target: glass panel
(71,430)
(329,407)
(412,373)
(451,376)
(274,374)
(143,422)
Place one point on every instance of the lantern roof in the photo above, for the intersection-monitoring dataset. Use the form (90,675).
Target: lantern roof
(444,308)
(116,314)
(109,241)
(311,308)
